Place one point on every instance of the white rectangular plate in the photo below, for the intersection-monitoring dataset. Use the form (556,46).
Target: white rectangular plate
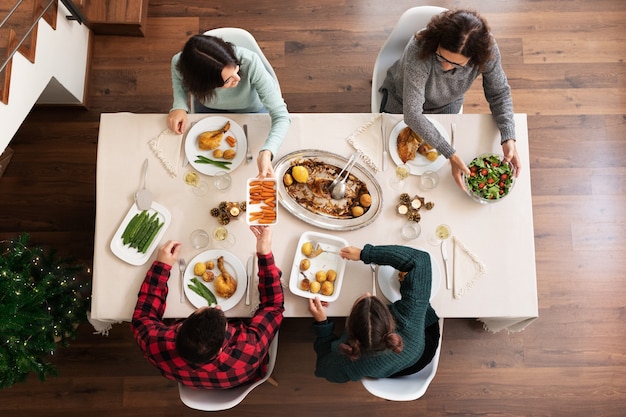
(132,255)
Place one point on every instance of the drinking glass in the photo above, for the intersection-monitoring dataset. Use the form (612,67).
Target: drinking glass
(222,180)
(199,239)
(223,237)
(398,181)
(429,180)
(410,230)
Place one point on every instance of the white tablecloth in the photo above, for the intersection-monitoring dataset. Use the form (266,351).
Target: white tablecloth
(500,235)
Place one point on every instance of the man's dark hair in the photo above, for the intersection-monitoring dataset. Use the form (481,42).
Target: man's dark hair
(201,335)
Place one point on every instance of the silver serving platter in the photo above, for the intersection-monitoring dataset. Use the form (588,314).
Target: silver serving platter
(324,221)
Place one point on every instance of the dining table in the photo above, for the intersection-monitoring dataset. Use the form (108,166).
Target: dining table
(491,247)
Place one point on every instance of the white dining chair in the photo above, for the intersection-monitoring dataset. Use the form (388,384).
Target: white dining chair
(243,38)
(412,21)
(219,400)
(408,387)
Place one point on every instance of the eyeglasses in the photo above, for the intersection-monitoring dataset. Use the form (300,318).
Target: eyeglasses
(454,64)
(229,79)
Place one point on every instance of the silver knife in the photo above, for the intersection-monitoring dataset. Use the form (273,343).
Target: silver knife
(249,270)
(382,129)
(446,262)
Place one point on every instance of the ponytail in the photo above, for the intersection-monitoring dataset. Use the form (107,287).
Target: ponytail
(370,328)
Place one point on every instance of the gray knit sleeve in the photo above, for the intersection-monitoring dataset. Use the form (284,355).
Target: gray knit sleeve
(498,95)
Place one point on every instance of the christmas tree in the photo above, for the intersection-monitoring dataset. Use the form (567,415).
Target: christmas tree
(41,305)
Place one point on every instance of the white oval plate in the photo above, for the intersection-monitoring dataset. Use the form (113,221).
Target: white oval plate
(131,255)
(320,220)
(420,163)
(389,284)
(234,267)
(214,123)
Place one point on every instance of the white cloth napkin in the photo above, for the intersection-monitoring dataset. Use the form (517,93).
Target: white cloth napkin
(167,148)
(468,269)
(367,139)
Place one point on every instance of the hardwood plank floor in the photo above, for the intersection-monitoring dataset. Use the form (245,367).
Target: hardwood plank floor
(566,65)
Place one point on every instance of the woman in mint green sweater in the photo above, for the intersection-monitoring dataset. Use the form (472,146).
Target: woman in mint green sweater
(381,340)
(225,78)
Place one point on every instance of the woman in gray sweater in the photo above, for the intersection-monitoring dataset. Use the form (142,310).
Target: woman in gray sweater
(438,66)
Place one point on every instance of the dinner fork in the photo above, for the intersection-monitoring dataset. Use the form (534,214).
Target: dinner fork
(248,153)
(182,265)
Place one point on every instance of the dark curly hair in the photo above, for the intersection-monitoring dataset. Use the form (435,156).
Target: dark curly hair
(370,328)
(459,31)
(201,335)
(201,63)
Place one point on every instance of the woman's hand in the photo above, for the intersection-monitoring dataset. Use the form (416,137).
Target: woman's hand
(510,155)
(350,253)
(177,121)
(316,307)
(264,162)
(169,252)
(458,168)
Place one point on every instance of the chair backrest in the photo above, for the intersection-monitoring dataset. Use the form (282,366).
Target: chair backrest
(411,22)
(409,387)
(218,400)
(241,37)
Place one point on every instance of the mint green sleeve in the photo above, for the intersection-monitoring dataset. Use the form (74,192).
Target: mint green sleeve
(269,93)
(180,94)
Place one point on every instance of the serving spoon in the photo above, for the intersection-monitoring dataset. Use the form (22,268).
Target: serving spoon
(143,197)
(318,250)
(337,188)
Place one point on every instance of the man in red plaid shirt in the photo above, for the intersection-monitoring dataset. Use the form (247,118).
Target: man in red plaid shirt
(205,350)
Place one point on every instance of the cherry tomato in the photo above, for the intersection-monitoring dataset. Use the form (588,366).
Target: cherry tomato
(481,185)
(490,181)
(504,176)
(484,172)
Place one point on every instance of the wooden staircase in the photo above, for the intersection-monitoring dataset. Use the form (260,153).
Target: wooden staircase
(18,34)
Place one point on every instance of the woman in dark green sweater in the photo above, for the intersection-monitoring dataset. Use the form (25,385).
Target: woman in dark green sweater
(381,340)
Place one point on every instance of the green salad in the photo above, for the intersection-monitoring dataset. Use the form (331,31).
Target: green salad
(490,178)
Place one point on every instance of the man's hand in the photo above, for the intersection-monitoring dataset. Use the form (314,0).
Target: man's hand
(263,236)
(177,121)
(169,252)
(316,307)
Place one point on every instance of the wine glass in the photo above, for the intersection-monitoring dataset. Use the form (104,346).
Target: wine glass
(441,233)
(223,237)
(200,188)
(398,181)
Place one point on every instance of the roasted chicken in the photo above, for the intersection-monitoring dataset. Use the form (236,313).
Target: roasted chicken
(224,285)
(212,138)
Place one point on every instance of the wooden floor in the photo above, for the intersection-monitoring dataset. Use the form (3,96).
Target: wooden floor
(566,65)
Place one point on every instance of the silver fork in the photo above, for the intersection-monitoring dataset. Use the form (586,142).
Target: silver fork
(248,153)
(182,265)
